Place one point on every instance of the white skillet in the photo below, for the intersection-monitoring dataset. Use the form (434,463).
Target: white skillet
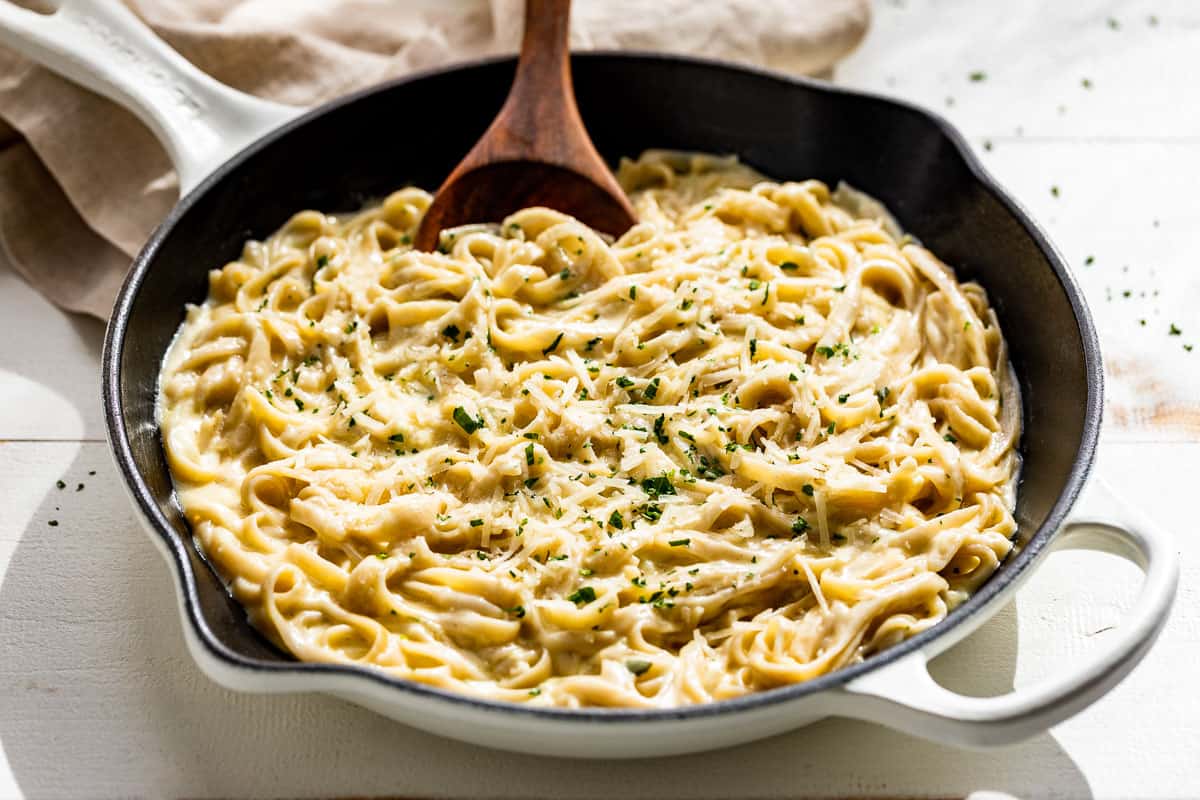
(103,47)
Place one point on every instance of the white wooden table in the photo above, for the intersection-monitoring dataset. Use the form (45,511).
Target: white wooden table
(98,696)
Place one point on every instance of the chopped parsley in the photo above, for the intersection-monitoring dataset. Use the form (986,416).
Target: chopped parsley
(517,611)
(451,332)
(582,595)
(842,398)
(651,512)
(799,526)
(322,261)
(656,487)
(476,523)
(466,421)
(616,520)
(553,345)
(659,433)
(680,542)
(638,666)
(651,390)
(624,382)
(951,438)
(807,489)
(978,76)
(788,266)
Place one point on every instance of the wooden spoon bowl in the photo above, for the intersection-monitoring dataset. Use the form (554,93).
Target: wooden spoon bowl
(537,151)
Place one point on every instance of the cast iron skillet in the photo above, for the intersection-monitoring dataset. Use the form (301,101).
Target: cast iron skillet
(410,132)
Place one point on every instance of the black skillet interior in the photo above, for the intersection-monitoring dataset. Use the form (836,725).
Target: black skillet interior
(414,132)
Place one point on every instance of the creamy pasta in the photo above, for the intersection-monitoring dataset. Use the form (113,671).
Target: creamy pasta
(759,437)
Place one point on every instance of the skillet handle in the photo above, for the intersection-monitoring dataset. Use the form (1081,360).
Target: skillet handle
(102,46)
(904,696)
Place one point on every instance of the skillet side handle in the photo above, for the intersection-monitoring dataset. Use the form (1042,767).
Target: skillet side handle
(904,696)
(102,46)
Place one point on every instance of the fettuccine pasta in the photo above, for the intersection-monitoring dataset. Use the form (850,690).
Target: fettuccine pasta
(759,437)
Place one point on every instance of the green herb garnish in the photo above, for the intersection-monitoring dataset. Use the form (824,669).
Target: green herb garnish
(659,432)
(651,512)
(638,666)
(582,595)
(466,421)
(553,345)
(656,487)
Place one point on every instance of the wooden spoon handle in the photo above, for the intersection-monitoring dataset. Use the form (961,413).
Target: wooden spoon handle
(542,98)
(536,152)
(545,46)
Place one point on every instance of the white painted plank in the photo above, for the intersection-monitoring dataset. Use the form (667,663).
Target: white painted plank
(98,696)
(1034,56)
(1125,219)
(49,366)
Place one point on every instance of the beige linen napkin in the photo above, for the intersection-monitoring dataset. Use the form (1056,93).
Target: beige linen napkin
(83,182)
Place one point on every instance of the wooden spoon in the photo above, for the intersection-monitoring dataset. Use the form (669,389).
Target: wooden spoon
(536,152)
